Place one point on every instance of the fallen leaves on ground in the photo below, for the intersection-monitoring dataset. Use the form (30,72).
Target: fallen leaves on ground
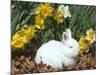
(24,65)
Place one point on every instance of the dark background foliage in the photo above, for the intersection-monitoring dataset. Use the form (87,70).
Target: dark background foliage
(83,18)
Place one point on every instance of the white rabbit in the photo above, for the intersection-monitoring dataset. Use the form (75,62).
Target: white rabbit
(56,53)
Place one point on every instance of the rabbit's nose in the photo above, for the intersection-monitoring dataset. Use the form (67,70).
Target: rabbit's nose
(76,57)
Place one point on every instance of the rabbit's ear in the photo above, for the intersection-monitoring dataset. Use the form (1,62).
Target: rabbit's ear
(65,36)
(68,31)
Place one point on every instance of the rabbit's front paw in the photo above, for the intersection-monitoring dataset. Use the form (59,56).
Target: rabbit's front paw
(68,61)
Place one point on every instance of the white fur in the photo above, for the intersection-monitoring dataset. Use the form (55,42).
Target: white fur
(56,53)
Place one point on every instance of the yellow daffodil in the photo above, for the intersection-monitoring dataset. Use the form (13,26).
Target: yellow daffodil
(86,41)
(64,10)
(30,32)
(23,36)
(91,35)
(44,9)
(18,41)
(58,17)
(84,44)
(39,22)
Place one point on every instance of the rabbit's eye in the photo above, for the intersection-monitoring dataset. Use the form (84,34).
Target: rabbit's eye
(71,47)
